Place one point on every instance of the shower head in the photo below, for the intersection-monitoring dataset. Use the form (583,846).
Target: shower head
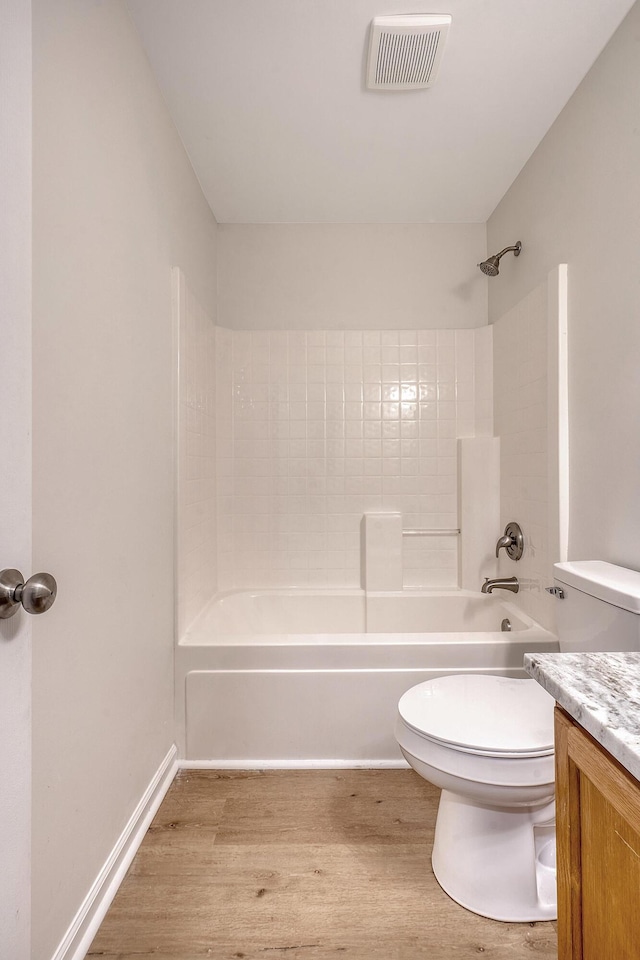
(491,266)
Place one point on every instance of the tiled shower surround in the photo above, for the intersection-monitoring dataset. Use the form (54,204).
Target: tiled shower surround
(196,501)
(520,343)
(316,428)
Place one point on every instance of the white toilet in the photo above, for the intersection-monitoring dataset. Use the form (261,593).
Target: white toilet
(487,741)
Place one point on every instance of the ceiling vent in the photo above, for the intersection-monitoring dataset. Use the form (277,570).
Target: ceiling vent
(405,51)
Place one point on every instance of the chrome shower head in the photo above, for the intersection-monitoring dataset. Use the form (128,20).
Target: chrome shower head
(491,266)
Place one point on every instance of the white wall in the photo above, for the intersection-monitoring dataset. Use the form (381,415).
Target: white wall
(352,276)
(116,204)
(577,201)
(15,472)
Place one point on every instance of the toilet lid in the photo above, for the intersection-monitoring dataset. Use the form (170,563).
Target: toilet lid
(495,716)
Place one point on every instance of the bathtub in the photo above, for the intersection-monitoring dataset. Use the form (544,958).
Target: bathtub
(312,678)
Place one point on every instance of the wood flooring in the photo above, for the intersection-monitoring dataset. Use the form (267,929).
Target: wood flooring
(299,865)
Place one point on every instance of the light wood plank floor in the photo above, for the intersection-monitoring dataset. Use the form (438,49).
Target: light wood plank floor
(303,865)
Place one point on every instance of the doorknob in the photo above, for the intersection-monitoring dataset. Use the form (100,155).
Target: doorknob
(36,595)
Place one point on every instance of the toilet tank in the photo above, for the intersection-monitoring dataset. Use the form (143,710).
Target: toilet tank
(600,610)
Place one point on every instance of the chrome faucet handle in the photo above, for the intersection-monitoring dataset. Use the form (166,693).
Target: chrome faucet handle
(503,543)
(512,541)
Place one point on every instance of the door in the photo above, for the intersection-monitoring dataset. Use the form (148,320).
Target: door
(15,471)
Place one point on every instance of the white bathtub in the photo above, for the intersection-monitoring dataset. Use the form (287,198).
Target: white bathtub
(311,678)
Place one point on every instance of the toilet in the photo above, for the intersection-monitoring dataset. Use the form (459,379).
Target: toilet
(487,742)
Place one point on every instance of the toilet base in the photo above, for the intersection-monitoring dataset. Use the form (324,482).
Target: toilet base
(498,862)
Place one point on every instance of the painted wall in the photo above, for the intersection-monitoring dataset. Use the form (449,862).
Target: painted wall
(578,201)
(116,205)
(15,472)
(352,276)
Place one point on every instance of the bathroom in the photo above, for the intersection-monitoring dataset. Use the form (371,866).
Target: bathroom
(111,241)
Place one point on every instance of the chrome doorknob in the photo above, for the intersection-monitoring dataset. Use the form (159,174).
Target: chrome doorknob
(37,595)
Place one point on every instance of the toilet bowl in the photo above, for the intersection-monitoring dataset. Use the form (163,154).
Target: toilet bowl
(487,742)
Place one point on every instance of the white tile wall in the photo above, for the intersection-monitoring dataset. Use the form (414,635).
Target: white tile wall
(316,428)
(196,506)
(520,406)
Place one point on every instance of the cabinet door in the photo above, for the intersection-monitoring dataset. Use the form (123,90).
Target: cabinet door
(598,823)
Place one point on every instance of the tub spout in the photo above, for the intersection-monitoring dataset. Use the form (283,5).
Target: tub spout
(502,583)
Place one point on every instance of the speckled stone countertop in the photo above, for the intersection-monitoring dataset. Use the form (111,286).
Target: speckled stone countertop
(601,691)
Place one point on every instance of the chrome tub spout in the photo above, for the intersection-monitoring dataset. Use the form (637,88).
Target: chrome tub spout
(501,583)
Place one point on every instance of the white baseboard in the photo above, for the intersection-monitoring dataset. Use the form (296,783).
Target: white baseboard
(83,928)
(399,764)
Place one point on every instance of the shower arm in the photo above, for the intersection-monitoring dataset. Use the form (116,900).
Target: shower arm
(517,247)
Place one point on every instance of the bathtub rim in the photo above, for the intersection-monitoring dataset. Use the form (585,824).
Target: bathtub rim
(195,637)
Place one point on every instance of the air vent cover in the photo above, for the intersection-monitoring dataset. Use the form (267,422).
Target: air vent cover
(405,51)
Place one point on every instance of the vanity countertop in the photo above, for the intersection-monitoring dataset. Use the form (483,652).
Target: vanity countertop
(601,691)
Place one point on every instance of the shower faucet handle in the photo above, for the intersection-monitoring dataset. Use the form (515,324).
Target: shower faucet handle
(512,541)
(503,543)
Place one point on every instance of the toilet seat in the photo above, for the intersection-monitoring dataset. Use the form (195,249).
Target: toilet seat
(482,715)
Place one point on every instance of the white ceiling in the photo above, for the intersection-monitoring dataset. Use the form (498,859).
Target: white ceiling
(269,100)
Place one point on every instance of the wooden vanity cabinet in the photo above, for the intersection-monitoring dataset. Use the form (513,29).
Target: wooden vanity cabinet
(598,837)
